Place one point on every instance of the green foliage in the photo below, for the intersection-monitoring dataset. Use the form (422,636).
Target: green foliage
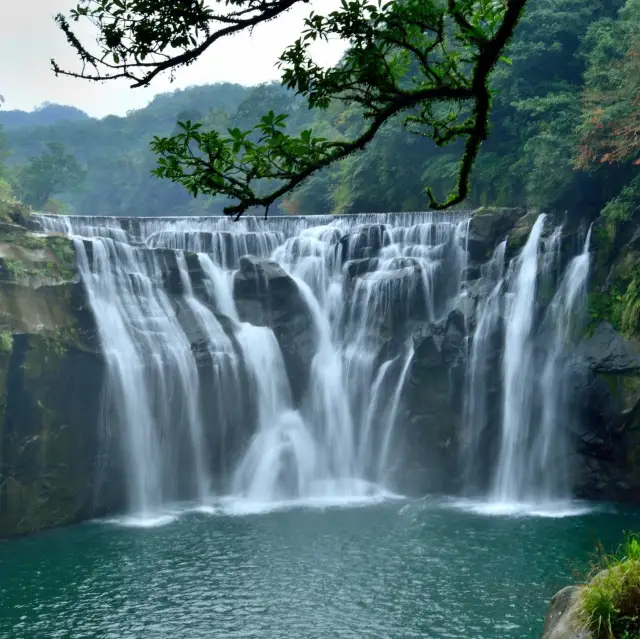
(52,172)
(59,261)
(610,128)
(63,249)
(6,342)
(65,262)
(15,269)
(58,344)
(604,307)
(539,105)
(610,602)
(619,304)
(6,199)
(624,206)
(630,307)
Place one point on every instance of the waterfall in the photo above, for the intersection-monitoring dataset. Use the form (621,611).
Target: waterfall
(392,416)
(195,388)
(128,390)
(519,372)
(281,456)
(267,361)
(152,377)
(488,316)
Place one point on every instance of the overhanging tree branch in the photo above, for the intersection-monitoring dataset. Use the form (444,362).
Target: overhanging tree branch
(427,61)
(135,33)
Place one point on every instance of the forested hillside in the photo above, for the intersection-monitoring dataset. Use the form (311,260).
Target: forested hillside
(565,133)
(45,114)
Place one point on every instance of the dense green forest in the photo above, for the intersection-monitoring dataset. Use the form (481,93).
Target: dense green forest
(565,135)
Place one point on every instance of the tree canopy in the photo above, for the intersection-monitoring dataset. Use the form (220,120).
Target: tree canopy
(428,62)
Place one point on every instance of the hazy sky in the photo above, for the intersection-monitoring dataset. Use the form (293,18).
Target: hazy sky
(29,38)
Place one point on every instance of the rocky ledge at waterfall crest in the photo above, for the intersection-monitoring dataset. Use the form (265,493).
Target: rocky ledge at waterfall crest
(388,306)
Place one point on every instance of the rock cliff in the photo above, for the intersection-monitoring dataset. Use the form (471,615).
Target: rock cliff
(51,373)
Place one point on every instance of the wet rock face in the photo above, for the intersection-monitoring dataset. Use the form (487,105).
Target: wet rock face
(363,243)
(607,394)
(51,380)
(266,295)
(607,352)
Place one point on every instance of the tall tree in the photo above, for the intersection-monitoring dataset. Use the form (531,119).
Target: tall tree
(611,103)
(427,61)
(52,172)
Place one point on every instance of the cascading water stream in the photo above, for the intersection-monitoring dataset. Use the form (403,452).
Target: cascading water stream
(533,461)
(519,375)
(280,460)
(127,389)
(488,315)
(565,318)
(392,416)
(152,378)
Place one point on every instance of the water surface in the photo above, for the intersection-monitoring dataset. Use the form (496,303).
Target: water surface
(393,570)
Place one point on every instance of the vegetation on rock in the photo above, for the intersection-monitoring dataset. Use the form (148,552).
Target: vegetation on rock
(609,605)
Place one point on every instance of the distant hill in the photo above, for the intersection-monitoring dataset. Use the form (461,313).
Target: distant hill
(115,149)
(42,116)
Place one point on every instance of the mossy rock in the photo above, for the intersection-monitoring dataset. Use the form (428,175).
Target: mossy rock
(35,259)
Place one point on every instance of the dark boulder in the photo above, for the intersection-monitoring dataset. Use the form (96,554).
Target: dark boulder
(266,295)
(55,466)
(440,343)
(487,228)
(390,300)
(177,276)
(606,392)
(363,242)
(562,620)
(356,268)
(519,234)
(434,407)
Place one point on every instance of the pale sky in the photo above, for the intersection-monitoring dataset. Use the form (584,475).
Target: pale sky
(29,38)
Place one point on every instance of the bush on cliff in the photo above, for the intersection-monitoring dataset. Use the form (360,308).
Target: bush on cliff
(11,210)
(610,602)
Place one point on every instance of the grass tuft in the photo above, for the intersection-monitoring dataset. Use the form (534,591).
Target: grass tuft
(610,602)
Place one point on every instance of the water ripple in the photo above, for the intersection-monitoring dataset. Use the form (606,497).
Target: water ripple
(394,570)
